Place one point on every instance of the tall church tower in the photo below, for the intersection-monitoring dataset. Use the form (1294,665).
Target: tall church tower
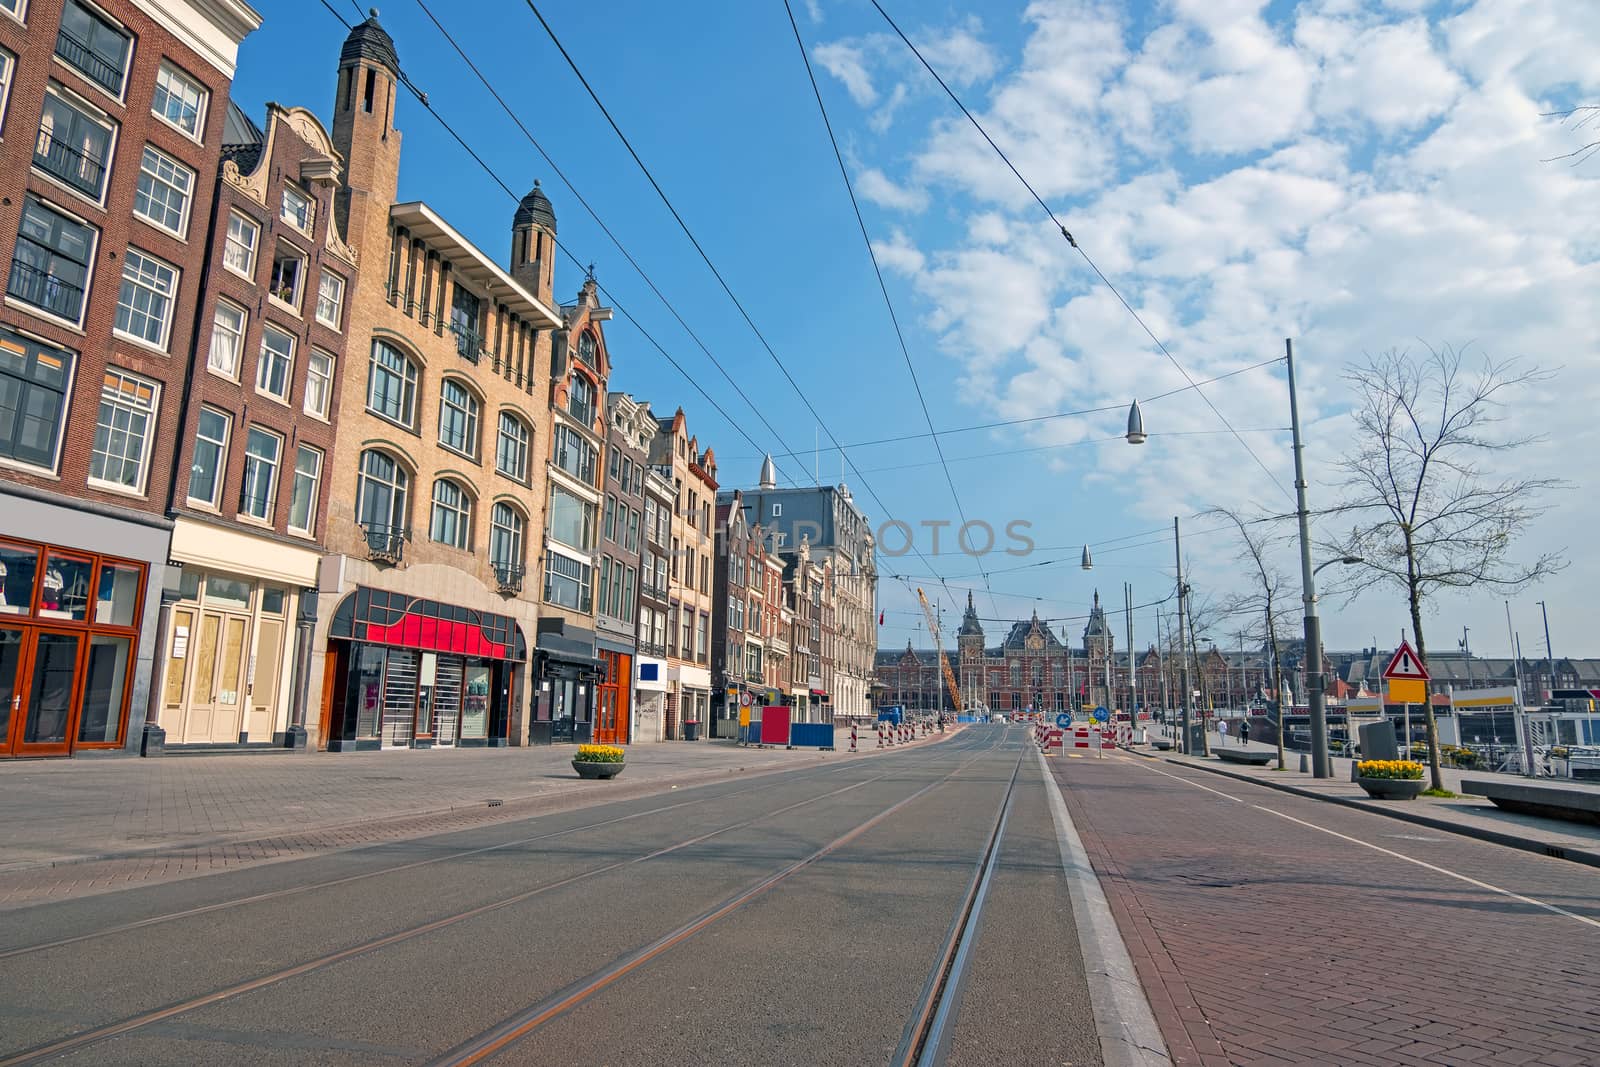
(969,640)
(364,133)
(533,244)
(1097,647)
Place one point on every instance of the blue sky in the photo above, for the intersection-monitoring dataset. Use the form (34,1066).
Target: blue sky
(1358,174)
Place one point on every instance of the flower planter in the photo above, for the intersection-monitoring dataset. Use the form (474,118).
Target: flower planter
(591,770)
(1392,788)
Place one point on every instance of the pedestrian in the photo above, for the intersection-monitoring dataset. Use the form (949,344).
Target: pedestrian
(1222,730)
(1244,732)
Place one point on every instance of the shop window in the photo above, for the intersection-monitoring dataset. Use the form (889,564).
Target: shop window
(272,600)
(118,602)
(227,592)
(64,591)
(475,702)
(19,569)
(105,681)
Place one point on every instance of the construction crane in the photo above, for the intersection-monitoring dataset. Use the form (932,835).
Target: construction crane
(944,662)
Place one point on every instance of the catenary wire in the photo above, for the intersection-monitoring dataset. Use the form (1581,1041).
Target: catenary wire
(1074,243)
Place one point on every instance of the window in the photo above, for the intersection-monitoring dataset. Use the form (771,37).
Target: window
(122,431)
(701,627)
(296,209)
(51,267)
(33,391)
(505,536)
(319,383)
(180,100)
(511,450)
(330,299)
(288,275)
(586,348)
(464,308)
(381,492)
(8,66)
(611,518)
(74,146)
(605,584)
(303,494)
(452,515)
(165,188)
(392,385)
(260,490)
(239,250)
(458,418)
(275,368)
(210,457)
(567,582)
(574,454)
(628,578)
(580,400)
(227,340)
(571,519)
(144,306)
(631,542)
(94,46)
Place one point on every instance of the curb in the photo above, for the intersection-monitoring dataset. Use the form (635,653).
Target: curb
(1586,856)
(1124,1023)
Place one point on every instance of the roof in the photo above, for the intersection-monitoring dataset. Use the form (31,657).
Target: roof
(469,262)
(535,208)
(970,625)
(368,40)
(242,140)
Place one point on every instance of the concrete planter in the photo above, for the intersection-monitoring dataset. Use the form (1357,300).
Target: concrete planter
(589,770)
(1392,788)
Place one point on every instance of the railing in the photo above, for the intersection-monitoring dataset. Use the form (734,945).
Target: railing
(95,67)
(647,648)
(385,544)
(508,576)
(44,290)
(80,170)
(655,592)
(469,343)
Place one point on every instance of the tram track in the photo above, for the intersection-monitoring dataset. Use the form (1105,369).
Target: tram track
(133,1023)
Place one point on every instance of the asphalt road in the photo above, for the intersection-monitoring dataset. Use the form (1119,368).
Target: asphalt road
(796,919)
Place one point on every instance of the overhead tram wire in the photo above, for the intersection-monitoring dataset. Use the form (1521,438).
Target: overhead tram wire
(573,189)
(717,274)
(883,287)
(1074,243)
(422,98)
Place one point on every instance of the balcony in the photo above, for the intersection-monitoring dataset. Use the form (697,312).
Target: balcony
(508,577)
(83,171)
(44,290)
(385,544)
(95,67)
(469,343)
(649,648)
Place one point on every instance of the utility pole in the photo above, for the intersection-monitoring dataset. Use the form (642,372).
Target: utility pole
(1521,712)
(1183,655)
(1549,653)
(1133,683)
(1320,765)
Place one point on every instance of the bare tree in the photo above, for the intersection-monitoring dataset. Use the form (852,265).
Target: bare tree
(1428,518)
(1578,117)
(1269,605)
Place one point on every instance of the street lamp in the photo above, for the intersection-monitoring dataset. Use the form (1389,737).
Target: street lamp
(1136,434)
(1088,561)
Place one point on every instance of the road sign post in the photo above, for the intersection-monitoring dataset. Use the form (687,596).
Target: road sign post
(1406,678)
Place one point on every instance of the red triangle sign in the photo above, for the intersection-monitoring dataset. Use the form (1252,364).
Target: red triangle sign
(1405,664)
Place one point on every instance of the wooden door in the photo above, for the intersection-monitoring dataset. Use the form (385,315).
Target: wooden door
(266,679)
(13,685)
(48,666)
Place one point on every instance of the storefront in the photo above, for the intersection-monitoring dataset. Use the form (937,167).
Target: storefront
(404,672)
(613,711)
(567,675)
(70,628)
(649,699)
(692,703)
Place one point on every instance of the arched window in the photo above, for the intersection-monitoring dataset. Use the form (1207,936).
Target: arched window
(586,348)
(505,536)
(511,447)
(580,400)
(392,385)
(458,418)
(452,515)
(382,492)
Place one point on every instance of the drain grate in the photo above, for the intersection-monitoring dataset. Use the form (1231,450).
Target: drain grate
(494,803)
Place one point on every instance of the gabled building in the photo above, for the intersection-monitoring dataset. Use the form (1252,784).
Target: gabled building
(692,471)
(629,429)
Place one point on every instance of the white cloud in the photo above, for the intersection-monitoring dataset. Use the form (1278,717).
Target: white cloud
(899,254)
(1388,75)
(847,62)
(875,186)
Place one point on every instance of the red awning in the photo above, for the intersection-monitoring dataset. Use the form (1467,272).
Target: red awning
(438,635)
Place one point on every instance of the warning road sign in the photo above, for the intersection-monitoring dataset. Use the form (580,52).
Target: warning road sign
(1405,664)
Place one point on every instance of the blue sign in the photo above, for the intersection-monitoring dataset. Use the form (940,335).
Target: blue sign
(1101,714)
(1063,719)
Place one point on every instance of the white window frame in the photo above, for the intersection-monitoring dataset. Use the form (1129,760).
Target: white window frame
(238,339)
(156,178)
(221,475)
(203,95)
(8,72)
(262,364)
(17,9)
(150,411)
(313,374)
(304,216)
(231,243)
(409,385)
(315,478)
(513,533)
(460,510)
(252,461)
(132,259)
(287,251)
(333,320)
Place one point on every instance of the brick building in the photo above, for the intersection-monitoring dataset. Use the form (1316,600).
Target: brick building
(250,499)
(115,113)
(651,668)
(677,456)
(438,475)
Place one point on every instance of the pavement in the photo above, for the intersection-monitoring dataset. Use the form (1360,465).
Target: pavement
(1274,928)
(793,918)
(77,827)
(1468,815)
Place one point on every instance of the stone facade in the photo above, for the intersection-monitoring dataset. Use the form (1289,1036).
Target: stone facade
(677,456)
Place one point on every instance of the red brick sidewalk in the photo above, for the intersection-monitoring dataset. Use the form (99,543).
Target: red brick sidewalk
(1261,940)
